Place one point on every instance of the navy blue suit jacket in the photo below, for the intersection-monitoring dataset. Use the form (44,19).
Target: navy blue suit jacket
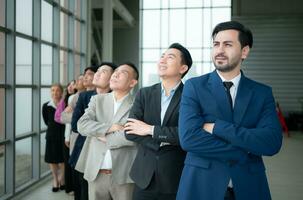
(240,137)
(79,110)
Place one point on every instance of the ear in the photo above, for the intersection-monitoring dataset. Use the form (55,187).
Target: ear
(245,52)
(133,83)
(183,69)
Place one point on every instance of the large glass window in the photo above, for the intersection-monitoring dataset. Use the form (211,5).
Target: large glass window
(189,23)
(64,3)
(2,168)
(78,8)
(24,16)
(63,67)
(2,12)
(23,61)
(23,160)
(46,21)
(24,109)
(77,65)
(46,64)
(2,114)
(63,29)
(77,31)
(2,57)
(44,166)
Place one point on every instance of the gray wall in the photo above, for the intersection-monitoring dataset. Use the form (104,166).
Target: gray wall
(277,56)
(267,7)
(126,40)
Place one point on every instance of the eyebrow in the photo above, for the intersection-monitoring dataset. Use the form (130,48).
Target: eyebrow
(171,54)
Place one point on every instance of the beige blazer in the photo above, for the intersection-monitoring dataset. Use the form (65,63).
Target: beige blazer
(95,122)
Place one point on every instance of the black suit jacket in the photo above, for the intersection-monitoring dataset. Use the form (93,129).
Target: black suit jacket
(165,162)
(82,104)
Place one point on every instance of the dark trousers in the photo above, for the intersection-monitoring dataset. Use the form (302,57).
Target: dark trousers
(68,171)
(229,194)
(81,186)
(152,192)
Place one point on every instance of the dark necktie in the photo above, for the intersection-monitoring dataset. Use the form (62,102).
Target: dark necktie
(228,85)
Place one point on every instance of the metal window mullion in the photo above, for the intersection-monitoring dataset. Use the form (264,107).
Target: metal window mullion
(84,36)
(56,40)
(10,100)
(71,45)
(36,91)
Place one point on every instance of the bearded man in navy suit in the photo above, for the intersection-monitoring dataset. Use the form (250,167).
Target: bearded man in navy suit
(227,122)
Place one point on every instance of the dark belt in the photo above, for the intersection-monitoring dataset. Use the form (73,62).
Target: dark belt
(105,171)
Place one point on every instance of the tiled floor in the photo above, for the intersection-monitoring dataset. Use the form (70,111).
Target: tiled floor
(284,170)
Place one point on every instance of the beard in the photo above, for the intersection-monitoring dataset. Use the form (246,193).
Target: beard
(229,66)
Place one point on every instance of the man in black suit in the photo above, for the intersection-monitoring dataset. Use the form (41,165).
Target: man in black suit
(153,124)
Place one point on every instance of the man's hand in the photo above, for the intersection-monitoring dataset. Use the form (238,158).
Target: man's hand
(68,109)
(115,127)
(208,127)
(137,127)
(102,139)
(67,143)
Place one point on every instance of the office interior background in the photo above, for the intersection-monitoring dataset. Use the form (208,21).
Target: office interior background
(47,41)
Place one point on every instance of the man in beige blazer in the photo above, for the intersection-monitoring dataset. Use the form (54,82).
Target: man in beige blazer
(106,157)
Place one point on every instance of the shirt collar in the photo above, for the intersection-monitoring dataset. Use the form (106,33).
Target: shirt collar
(235,80)
(172,91)
(52,104)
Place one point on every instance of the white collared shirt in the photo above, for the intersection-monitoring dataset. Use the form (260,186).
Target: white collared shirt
(107,162)
(234,87)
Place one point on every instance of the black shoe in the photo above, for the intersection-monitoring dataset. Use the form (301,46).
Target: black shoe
(62,187)
(55,189)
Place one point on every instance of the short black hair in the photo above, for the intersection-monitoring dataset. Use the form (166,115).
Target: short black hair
(91,68)
(185,55)
(133,66)
(245,35)
(110,64)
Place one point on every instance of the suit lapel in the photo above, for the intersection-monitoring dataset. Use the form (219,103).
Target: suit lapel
(242,100)
(173,104)
(124,108)
(217,90)
(156,102)
(109,106)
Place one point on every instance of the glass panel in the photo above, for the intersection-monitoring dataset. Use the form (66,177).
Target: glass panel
(2,169)
(151,4)
(63,29)
(2,57)
(2,114)
(194,22)
(164,29)
(46,64)
(207,55)
(194,3)
(221,3)
(176,26)
(64,3)
(23,107)
(2,15)
(150,75)
(45,97)
(177,3)
(151,24)
(47,21)
(63,67)
(207,3)
(23,61)
(151,55)
(77,35)
(207,29)
(78,8)
(24,12)
(43,165)
(77,65)
(196,54)
(23,161)
(220,15)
